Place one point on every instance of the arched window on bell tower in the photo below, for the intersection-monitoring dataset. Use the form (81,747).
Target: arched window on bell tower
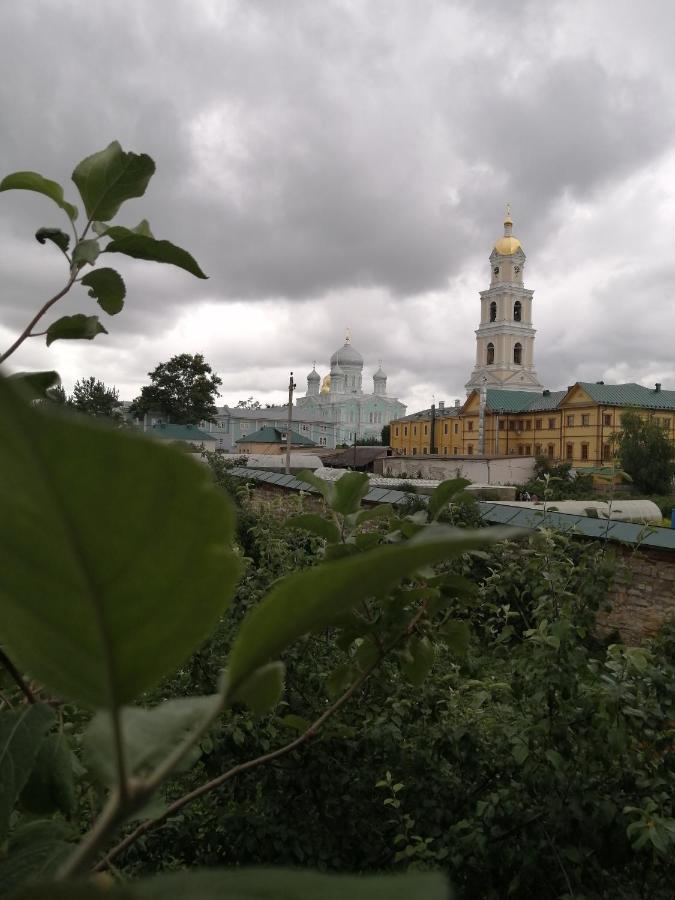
(490,354)
(518,354)
(493,311)
(517,311)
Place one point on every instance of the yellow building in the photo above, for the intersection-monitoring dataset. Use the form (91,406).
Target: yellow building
(574,426)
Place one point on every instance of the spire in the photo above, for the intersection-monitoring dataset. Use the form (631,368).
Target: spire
(508,221)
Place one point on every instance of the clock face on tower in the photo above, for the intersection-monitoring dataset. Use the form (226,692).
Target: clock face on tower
(516,269)
(496,270)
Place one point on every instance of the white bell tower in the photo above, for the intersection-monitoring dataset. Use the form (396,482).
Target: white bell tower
(505,336)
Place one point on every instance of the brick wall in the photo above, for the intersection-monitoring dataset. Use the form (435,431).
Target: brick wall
(642,596)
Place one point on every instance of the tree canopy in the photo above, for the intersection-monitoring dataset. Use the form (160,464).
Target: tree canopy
(184,390)
(646,454)
(94,398)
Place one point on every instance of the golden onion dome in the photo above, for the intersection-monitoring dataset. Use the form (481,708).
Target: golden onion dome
(507,244)
(325,384)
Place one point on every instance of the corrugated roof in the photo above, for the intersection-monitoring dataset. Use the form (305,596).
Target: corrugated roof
(629,394)
(270,435)
(169,432)
(354,456)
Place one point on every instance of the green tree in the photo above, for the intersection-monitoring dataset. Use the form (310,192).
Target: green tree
(646,454)
(183,389)
(386,435)
(251,403)
(94,398)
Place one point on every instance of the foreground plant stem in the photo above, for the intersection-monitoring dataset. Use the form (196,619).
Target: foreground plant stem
(9,666)
(177,805)
(26,333)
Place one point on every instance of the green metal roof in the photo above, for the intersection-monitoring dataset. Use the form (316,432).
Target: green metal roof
(499,400)
(630,394)
(270,435)
(171,432)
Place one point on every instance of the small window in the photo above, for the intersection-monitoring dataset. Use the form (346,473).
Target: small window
(455,451)
(405,431)
(456,428)
(520,424)
(520,449)
(518,354)
(396,431)
(586,419)
(512,425)
(584,451)
(415,429)
(606,452)
(445,428)
(517,311)
(405,451)
(569,451)
(470,425)
(551,424)
(537,424)
(502,424)
(528,424)
(414,451)
(537,449)
(493,311)
(424,450)
(528,450)
(426,429)
(445,451)
(551,451)
(606,419)
(469,449)
(490,354)
(570,421)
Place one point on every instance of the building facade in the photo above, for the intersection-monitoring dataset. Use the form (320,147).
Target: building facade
(234,423)
(339,398)
(505,336)
(577,425)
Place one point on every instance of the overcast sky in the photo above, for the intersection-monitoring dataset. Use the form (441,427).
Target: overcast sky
(345,163)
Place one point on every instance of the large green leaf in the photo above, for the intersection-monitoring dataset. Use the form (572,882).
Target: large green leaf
(108,178)
(349,491)
(36,850)
(21,736)
(58,237)
(150,735)
(117,554)
(102,229)
(37,385)
(77,327)
(442,495)
(262,691)
(254,884)
(140,246)
(325,488)
(314,598)
(32,181)
(107,286)
(51,785)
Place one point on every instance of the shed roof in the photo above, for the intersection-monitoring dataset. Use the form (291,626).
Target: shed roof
(270,435)
(170,432)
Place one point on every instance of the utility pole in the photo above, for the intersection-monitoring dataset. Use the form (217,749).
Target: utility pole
(291,388)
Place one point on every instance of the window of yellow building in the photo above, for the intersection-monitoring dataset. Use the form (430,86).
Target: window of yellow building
(426,429)
(445,428)
(456,428)
(570,421)
(537,449)
(396,431)
(569,451)
(469,449)
(414,453)
(606,452)
(528,450)
(551,451)
(470,424)
(405,430)
(528,424)
(606,419)
(538,424)
(551,424)
(455,451)
(584,451)
(424,450)
(414,429)
(502,425)
(586,419)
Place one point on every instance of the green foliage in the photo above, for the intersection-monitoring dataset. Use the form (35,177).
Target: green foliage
(78,327)
(183,390)
(140,246)
(32,181)
(108,178)
(107,286)
(385,436)
(92,397)
(113,628)
(21,735)
(646,454)
(58,237)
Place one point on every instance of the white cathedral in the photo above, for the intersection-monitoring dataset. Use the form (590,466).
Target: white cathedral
(339,397)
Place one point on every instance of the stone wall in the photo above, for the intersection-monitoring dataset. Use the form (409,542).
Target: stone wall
(642,596)
(478,470)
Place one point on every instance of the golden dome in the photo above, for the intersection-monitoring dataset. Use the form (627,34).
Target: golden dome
(325,384)
(507,245)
